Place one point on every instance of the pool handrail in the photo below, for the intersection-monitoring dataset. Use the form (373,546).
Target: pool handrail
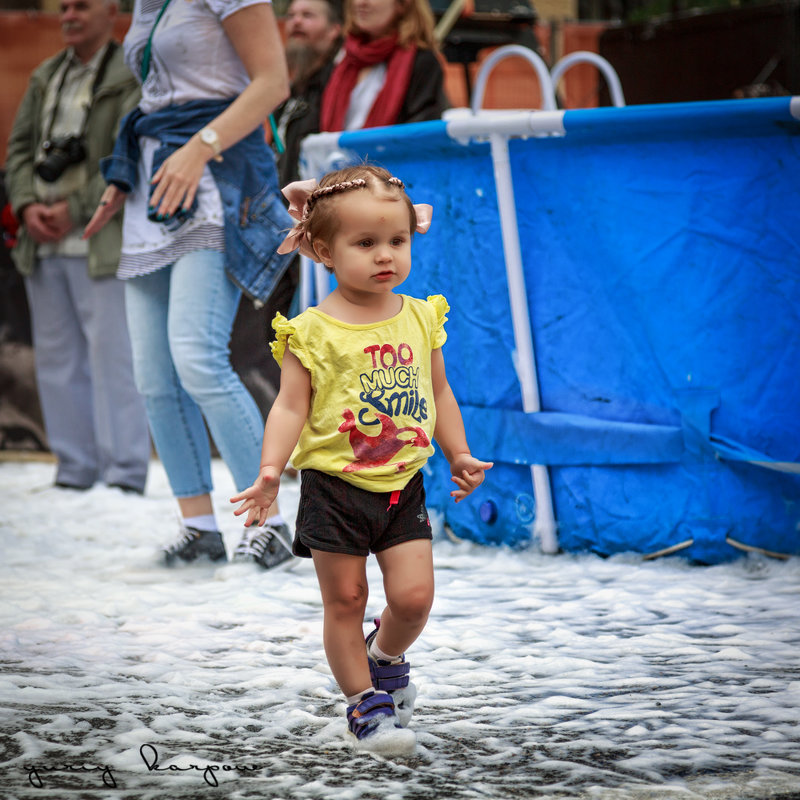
(586,56)
(507,51)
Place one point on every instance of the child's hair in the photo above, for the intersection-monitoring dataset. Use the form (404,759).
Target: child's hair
(415,24)
(320,220)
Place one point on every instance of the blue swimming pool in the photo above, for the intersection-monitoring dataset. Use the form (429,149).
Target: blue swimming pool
(644,365)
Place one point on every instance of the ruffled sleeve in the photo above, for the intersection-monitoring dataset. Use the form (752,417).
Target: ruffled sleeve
(440,309)
(292,333)
(283,330)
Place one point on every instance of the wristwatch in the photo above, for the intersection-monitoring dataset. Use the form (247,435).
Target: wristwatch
(209,136)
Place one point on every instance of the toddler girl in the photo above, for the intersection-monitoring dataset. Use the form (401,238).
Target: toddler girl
(363,392)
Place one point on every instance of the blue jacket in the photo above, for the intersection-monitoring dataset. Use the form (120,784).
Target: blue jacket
(256,220)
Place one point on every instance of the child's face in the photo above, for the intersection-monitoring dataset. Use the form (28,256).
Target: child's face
(371,252)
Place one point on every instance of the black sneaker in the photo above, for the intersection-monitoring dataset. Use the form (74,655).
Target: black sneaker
(73,487)
(268,546)
(126,488)
(193,544)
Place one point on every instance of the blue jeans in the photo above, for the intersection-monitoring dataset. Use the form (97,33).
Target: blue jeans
(180,319)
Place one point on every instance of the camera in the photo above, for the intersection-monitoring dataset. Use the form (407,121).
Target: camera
(60,153)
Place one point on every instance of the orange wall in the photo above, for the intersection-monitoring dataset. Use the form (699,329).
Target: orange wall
(27,38)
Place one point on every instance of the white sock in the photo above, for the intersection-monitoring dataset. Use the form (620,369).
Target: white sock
(204,522)
(379,655)
(355,698)
(276,520)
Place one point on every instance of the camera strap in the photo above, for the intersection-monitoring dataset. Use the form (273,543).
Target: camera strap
(98,79)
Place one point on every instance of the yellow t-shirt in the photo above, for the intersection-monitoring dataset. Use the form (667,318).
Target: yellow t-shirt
(372,411)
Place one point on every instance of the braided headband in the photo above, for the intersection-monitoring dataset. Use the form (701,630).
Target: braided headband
(303,195)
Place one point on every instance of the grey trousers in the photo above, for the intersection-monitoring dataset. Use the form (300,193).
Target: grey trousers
(94,416)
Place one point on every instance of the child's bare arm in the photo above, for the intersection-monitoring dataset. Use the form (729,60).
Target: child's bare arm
(284,424)
(467,471)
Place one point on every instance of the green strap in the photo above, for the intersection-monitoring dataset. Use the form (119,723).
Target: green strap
(149,46)
(275,135)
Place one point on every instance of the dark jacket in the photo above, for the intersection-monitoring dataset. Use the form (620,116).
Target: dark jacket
(425,100)
(117,93)
(302,109)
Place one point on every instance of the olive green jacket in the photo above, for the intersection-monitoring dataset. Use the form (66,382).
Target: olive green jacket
(117,94)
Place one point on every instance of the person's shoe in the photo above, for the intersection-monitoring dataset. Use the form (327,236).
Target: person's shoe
(393,678)
(126,488)
(268,546)
(374,725)
(193,544)
(73,487)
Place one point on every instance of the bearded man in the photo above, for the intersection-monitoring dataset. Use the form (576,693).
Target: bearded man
(313,40)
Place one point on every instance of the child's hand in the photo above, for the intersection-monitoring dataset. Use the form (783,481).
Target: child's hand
(256,500)
(468,475)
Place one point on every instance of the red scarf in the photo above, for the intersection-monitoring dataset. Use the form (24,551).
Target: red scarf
(361,53)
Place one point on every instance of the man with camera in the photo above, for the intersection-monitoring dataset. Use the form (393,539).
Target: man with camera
(67,122)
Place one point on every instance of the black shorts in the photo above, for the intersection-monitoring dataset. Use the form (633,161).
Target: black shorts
(337,517)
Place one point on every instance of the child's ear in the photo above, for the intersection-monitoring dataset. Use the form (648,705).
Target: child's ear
(324,253)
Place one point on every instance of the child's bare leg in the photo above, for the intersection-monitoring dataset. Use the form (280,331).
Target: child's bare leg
(343,584)
(408,583)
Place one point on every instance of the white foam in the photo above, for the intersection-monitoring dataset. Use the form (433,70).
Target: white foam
(537,675)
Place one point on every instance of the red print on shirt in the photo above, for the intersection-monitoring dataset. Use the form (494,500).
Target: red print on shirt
(372,451)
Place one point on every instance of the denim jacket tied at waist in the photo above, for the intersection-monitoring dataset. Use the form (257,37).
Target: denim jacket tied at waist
(256,220)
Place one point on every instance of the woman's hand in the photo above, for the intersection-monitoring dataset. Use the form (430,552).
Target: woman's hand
(112,201)
(257,500)
(177,179)
(468,474)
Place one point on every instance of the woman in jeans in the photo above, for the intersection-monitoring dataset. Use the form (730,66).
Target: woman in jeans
(202,221)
